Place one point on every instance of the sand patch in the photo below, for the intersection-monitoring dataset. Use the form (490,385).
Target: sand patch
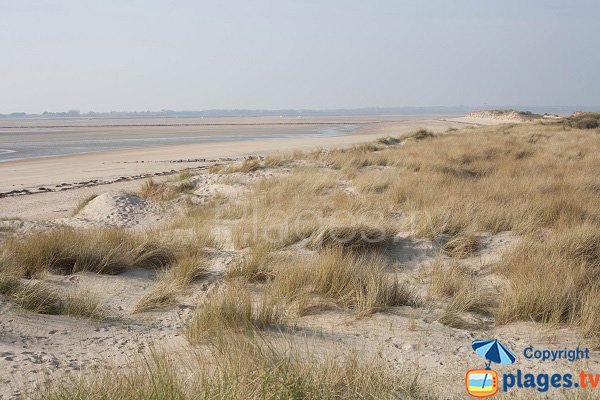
(117,209)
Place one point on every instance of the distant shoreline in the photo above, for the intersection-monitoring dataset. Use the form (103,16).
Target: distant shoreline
(184,124)
(48,182)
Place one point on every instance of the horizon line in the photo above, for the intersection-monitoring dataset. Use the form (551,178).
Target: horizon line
(520,107)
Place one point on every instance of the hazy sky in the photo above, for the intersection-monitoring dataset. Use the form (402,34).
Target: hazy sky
(191,55)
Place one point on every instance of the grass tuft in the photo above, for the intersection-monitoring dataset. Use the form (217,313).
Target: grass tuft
(388,140)
(460,246)
(68,250)
(43,298)
(232,309)
(81,205)
(163,191)
(173,281)
(465,294)
(245,167)
(354,281)
(357,237)
(255,266)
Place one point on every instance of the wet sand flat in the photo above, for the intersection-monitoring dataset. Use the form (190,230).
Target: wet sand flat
(46,141)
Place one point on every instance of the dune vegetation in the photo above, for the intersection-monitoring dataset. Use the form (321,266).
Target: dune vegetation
(67,250)
(538,181)
(43,298)
(324,231)
(248,368)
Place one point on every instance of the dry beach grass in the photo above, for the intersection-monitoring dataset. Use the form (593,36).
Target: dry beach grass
(248,368)
(310,238)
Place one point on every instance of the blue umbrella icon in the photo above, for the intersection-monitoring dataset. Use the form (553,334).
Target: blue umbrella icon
(493,351)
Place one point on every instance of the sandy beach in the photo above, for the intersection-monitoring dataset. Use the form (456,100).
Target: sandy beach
(398,243)
(60,182)
(279,200)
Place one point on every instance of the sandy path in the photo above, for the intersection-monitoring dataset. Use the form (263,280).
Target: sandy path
(39,176)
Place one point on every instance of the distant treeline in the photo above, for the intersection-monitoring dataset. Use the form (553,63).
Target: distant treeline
(434,110)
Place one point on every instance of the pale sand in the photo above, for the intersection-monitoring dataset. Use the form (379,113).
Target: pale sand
(35,347)
(84,169)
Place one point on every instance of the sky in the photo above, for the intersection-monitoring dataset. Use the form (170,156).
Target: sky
(131,55)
